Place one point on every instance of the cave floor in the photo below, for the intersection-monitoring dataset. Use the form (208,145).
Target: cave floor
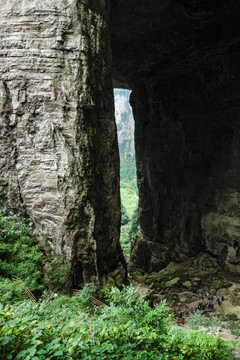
(182,286)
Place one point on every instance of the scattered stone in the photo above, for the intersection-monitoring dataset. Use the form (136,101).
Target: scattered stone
(173,281)
(212,291)
(183,300)
(219,284)
(236,355)
(171,298)
(207,262)
(187,284)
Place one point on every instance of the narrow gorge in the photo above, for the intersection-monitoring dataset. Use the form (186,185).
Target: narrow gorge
(59,163)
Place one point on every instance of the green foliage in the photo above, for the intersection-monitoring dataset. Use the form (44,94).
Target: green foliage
(199,346)
(85,295)
(232,317)
(124,297)
(127,329)
(128,173)
(124,239)
(129,198)
(134,225)
(58,273)
(124,218)
(128,183)
(159,282)
(233,324)
(234,328)
(10,291)
(197,319)
(19,255)
(129,201)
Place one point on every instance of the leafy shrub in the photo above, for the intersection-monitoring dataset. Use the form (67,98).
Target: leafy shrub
(233,324)
(58,273)
(199,346)
(19,255)
(134,225)
(129,199)
(127,329)
(124,218)
(10,291)
(85,295)
(128,172)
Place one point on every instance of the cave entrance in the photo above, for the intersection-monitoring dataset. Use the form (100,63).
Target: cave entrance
(128,183)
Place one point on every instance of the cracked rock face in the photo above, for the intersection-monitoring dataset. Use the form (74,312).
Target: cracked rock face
(125,124)
(59,160)
(181,59)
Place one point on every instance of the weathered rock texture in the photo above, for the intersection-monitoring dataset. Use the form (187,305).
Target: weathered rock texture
(181,58)
(58,147)
(125,124)
(59,159)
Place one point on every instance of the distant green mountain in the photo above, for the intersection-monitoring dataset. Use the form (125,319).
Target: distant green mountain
(128,183)
(125,124)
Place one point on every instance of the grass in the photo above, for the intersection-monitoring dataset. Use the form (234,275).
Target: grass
(129,201)
(129,198)
(232,323)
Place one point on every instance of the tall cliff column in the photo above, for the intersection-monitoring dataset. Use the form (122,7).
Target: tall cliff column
(188,168)
(59,158)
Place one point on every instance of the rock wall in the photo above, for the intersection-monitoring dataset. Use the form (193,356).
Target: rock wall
(187,136)
(182,62)
(59,160)
(125,124)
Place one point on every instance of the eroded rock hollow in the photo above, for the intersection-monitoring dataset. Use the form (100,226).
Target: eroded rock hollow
(59,160)
(181,59)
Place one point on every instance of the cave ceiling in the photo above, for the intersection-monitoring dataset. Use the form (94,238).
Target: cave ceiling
(181,59)
(161,38)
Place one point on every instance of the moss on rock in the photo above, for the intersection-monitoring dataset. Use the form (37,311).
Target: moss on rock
(187,284)
(173,281)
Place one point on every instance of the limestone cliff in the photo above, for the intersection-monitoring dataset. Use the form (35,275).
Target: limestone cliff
(125,124)
(181,58)
(59,160)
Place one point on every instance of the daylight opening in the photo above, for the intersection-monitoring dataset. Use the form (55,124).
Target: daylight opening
(128,182)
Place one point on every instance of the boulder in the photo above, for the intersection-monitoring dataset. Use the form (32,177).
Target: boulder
(172,282)
(187,284)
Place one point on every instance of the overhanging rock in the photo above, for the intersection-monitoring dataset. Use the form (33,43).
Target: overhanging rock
(59,157)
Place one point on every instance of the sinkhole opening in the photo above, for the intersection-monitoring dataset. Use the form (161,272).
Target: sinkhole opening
(128,182)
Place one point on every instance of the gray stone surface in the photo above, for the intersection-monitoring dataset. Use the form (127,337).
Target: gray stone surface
(181,59)
(59,161)
(58,147)
(125,124)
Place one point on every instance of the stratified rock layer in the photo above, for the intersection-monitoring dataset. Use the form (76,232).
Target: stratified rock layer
(58,147)
(125,124)
(181,59)
(59,161)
